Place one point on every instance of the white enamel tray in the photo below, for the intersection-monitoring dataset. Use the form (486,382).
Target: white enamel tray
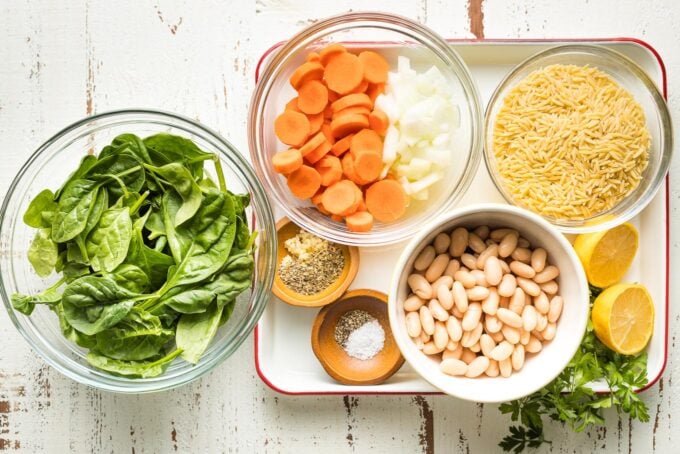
(283,352)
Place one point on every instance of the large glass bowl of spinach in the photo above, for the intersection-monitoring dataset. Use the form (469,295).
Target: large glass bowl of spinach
(137,250)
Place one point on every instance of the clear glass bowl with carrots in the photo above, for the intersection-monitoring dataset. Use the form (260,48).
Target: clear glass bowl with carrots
(323,135)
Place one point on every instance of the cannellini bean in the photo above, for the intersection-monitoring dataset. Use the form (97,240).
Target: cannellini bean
(492,324)
(549,287)
(555,309)
(418,342)
(541,323)
(499,234)
(453,367)
(459,241)
(469,260)
(529,315)
(524,336)
(523,242)
(507,286)
(426,320)
(480,278)
(530,287)
(465,278)
(451,268)
(505,367)
(502,351)
(431,349)
(420,286)
(455,354)
(477,366)
(492,370)
(437,267)
(490,251)
(509,318)
(451,345)
(468,356)
(522,269)
(534,345)
(437,311)
(471,337)
(454,329)
(425,337)
(482,232)
(522,255)
(472,316)
(445,297)
(511,334)
(504,266)
(441,243)
(477,293)
(476,243)
(443,281)
(475,348)
(413,303)
(460,297)
(424,259)
(497,337)
(537,334)
(490,303)
(541,303)
(507,244)
(487,344)
(457,313)
(517,301)
(493,273)
(413,327)
(440,337)
(538,257)
(549,332)
(548,274)
(517,358)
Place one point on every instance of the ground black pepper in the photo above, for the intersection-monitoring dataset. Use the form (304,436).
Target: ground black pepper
(349,322)
(318,270)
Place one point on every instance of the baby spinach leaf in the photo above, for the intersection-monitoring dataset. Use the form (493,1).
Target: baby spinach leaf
(91,320)
(41,203)
(132,144)
(167,148)
(101,203)
(85,164)
(154,224)
(155,264)
(74,253)
(179,178)
(73,271)
(43,253)
(132,369)
(125,166)
(73,210)
(67,330)
(94,290)
(26,303)
(137,337)
(131,277)
(107,245)
(195,331)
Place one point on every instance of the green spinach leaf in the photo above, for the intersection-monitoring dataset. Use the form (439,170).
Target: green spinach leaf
(133,369)
(181,180)
(107,245)
(41,204)
(195,331)
(137,337)
(73,210)
(43,253)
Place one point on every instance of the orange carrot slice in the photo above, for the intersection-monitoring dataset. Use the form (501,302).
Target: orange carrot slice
(340,198)
(349,170)
(312,97)
(343,73)
(330,169)
(292,128)
(292,105)
(361,88)
(375,67)
(361,221)
(378,121)
(375,90)
(287,161)
(304,182)
(316,140)
(315,122)
(366,140)
(347,124)
(311,70)
(318,153)
(355,99)
(326,129)
(367,166)
(312,56)
(342,145)
(359,110)
(386,200)
(331,51)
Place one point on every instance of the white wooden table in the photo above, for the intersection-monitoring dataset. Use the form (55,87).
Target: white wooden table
(62,60)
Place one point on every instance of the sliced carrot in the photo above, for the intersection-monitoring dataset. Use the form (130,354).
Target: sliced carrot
(367,166)
(292,128)
(304,182)
(316,140)
(349,170)
(366,140)
(347,124)
(361,221)
(331,51)
(375,90)
(319,152)
(386,200)
(311,70)
(292,105)
(378,121)
(326,129)
(337,218)
(287,161)
(312,97)
(343,73)
(340,198)
(362,205)
(342,145)
(315,122)
(316,198)
(355,99)
(375,67)
(330,169)
(312,56)
(361,87)
(360,110)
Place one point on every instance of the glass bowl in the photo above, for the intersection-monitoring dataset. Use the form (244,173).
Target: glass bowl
(392,36)
(49,167)
(629,76)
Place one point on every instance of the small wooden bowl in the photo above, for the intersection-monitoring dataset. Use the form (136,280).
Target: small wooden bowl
(286,229)
(337,363)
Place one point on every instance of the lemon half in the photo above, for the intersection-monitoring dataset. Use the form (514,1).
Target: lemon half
(606,256)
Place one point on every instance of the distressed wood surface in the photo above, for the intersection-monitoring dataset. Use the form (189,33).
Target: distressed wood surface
(62,60)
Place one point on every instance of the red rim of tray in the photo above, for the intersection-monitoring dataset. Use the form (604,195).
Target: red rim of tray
(662,66)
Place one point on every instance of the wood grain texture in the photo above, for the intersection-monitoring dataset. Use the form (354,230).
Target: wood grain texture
(62,60)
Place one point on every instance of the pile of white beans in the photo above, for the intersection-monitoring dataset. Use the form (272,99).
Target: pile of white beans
(481,301)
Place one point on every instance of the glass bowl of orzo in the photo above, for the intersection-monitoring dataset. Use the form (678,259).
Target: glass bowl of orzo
(579,134)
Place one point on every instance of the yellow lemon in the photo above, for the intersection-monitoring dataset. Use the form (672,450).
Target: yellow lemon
(623,318)
(607,255)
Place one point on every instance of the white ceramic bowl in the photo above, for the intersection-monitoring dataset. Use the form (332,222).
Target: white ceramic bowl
(539,369)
